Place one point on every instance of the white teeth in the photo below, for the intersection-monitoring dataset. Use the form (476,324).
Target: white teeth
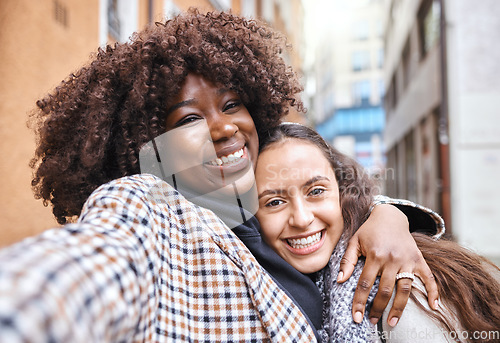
(235,156)
(301,243)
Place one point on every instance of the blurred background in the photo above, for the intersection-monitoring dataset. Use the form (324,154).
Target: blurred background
(410,88)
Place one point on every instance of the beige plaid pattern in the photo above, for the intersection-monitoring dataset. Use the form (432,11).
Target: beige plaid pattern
(142,265)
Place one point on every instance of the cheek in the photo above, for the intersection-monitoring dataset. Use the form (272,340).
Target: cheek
(271,227)
(247,126)
(181,149)
(332,214)
(254,147)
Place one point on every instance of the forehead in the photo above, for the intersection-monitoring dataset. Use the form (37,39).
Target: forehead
(293,159)
(194,83)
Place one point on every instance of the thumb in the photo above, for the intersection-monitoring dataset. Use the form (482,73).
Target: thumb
(349,260)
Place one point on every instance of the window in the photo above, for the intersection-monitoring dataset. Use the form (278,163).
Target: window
(118,20)
(267,8)
(361,30)
(392,94)
(381,90)
(328,103)
(170,9)
(411,167)
(429,24)
(361,92)
(248,8)
(379,28)
(380,58)
(326,79)
(60,13)
(113,20)
(406,64)
(360,60)
(221,5)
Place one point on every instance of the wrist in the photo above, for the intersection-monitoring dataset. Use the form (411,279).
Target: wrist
(390,213)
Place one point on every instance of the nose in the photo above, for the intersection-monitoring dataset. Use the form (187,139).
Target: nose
(221,126)
(301,215)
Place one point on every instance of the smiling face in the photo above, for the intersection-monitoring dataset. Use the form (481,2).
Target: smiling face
(212,140)
(299,204)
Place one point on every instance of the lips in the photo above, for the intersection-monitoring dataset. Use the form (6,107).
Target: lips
(306,245)
(301,243)
(231,166)
(228,159)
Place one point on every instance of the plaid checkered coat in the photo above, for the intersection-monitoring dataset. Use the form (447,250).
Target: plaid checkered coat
(142,265)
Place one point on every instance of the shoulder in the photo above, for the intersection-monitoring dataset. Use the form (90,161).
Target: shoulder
(146,200)
(415,324)
(139,185)
(420,218)
(139,203)
(131,192)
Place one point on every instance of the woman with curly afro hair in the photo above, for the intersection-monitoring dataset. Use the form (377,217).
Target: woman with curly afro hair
(141,262)
(92,126)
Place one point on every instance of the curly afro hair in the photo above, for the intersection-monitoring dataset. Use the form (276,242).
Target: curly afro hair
(91,127)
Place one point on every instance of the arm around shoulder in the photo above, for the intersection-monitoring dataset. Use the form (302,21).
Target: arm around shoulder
(420,218)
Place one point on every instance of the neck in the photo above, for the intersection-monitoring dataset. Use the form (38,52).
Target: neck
(233,207)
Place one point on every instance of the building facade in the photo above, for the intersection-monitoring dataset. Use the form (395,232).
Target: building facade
(347,102)
(44,41)
(442,109)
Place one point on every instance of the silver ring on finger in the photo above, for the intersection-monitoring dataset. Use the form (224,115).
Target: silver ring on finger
(405,275)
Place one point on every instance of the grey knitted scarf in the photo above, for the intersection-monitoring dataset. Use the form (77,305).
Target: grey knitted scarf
(338,325)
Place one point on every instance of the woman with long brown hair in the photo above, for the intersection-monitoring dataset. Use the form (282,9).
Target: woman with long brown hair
(312,199)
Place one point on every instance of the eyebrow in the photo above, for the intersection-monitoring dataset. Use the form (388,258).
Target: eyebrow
(181,104)
(222,90)
(315,179)
(188,102)
(307,183)
(270,191)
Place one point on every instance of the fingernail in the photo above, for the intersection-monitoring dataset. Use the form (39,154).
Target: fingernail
(436,304)
(358,317)
(340,276)
(373,320)
(393,321)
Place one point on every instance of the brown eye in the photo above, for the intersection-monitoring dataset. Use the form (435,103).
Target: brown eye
(187,119)
(274,203)
(316,191)
(232,105)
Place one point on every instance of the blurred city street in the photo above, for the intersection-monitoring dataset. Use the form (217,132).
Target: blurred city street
(411,89)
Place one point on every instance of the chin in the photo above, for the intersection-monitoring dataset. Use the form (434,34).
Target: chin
(244,183)
(245,190)
(310,268)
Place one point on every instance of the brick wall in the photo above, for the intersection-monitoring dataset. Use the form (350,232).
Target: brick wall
(41,43)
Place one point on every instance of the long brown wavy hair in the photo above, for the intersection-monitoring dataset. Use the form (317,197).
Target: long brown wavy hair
(466,284)
(91,127)
(464,279)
